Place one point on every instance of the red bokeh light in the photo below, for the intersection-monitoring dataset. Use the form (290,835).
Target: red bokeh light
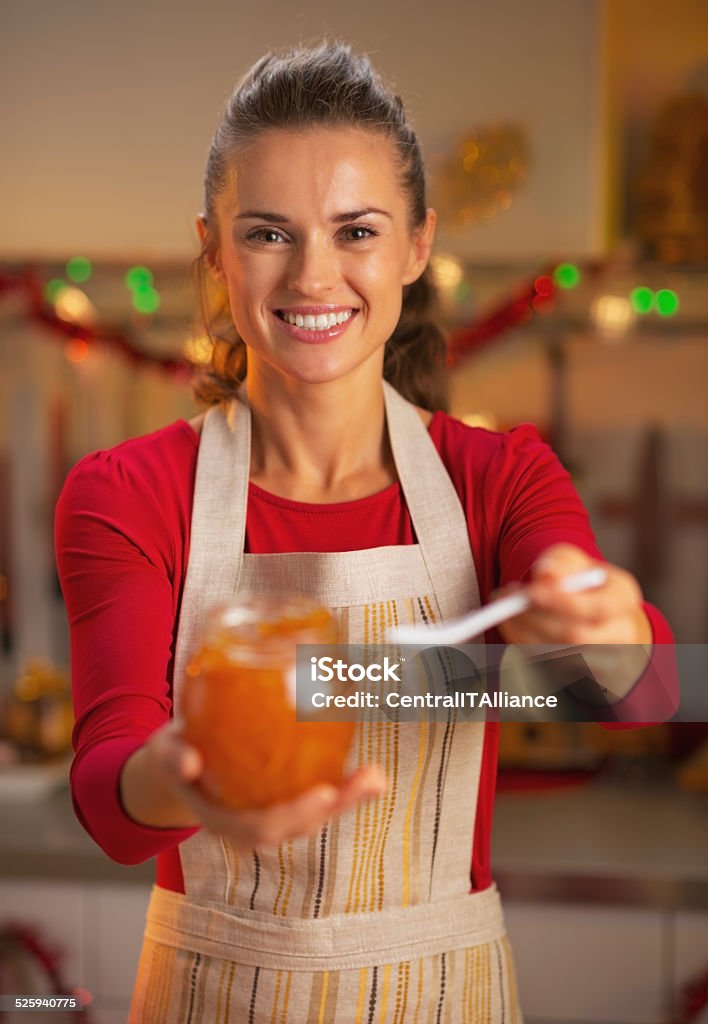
(544,286)
(76,350)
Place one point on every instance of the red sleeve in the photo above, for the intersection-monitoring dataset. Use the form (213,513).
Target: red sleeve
(541,507)
(519,500)
(115,557)
(538,506)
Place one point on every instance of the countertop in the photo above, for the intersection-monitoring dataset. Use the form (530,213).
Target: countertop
(601,843)
(41,838)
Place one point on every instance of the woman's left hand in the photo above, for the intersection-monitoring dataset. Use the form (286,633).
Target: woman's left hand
(609,614)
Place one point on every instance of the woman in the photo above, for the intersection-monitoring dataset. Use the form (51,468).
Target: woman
(309,473)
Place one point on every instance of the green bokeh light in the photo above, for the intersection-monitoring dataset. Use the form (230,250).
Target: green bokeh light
(53,287)
(666,302)
(79,269)
(138,277)
(462,291)
(642,299)
(566,275)
(146,299)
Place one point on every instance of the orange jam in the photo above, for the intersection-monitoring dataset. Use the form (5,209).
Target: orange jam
(239,704)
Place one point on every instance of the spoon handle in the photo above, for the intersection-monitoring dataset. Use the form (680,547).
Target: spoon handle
(457,631)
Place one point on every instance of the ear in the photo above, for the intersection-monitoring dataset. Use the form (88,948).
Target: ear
(212,259)
(421,246)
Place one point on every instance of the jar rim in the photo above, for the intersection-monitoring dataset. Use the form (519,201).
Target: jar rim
(237,626)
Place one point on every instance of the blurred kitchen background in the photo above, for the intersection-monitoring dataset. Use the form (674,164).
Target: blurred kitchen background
(567,149)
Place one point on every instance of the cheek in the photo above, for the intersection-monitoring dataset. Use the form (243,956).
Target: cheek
(244,310)
(382,277)
(248,285)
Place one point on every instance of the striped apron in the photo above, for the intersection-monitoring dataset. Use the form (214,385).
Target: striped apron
(371,920)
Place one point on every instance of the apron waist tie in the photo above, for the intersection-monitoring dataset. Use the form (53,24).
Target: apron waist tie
(337,942)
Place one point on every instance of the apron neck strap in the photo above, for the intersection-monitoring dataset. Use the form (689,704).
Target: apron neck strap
(438,517)
(221,492)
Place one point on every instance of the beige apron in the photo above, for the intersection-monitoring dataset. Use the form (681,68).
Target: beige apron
(371,920)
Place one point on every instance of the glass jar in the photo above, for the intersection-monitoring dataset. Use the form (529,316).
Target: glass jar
(239,703)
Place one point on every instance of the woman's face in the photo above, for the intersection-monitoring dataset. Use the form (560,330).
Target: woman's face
(315,248)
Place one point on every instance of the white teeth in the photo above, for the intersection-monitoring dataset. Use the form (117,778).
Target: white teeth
(321,322)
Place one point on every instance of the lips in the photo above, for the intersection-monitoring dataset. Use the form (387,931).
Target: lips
(315,325)
(314,310)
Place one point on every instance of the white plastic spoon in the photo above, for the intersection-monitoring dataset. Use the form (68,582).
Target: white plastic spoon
(456,631)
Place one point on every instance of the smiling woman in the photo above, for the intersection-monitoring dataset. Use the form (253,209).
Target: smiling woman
(325,466)
(314,224)
(343,137)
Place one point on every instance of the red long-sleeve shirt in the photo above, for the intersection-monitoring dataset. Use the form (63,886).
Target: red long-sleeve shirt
(122,541)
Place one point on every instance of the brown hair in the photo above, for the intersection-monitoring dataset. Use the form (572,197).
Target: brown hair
(324,85)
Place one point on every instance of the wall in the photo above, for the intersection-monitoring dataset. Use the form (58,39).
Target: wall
(112,108)
(654,51)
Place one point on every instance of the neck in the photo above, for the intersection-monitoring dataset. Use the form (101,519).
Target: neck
(325,439)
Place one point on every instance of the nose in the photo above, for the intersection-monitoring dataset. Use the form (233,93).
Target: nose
(314,269)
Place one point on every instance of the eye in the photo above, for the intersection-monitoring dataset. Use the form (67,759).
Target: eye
(269,236)
(358,232)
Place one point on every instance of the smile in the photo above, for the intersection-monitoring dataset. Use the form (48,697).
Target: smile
(315,321)
(315,325)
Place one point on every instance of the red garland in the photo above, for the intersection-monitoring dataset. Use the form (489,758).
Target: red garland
(536,296)
(41,313)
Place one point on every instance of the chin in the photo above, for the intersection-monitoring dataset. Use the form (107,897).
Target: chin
(321,370)
(321,376)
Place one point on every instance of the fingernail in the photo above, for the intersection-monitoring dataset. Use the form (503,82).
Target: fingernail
(328,794)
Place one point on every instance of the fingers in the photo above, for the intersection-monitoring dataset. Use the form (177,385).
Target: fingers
(307,813)
(300,817)
(561,560)
(619,595)
(542,627)
(365,784)
(590,608)
(181,761)
(605,614)
(186,784)
(303,816)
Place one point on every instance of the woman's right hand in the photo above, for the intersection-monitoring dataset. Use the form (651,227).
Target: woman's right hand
(160,786)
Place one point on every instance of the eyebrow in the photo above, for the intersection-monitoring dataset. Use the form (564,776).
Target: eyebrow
(339,218)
